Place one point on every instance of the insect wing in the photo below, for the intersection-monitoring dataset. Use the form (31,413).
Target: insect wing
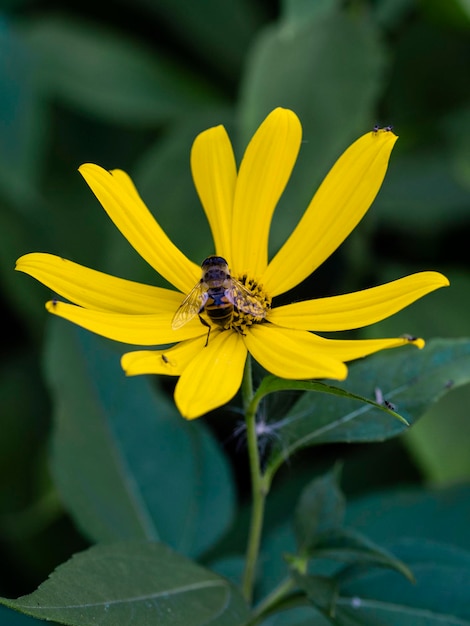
(190,307)
(244,300)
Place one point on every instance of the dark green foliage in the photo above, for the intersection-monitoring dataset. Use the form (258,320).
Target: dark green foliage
(88,455)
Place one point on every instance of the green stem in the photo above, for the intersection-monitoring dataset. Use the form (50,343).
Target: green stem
(274,464)
(259,487)
(247,385)
(275,597)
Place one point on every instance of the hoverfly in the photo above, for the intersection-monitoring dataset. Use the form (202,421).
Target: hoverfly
(219,296)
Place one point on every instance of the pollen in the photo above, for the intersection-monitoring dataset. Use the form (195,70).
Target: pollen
(254,310)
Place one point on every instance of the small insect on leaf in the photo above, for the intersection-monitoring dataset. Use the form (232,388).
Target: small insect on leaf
(379,398)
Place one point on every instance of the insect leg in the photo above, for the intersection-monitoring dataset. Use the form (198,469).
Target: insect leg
(204,323)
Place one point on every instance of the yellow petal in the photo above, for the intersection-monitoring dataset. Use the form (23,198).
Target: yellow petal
(291,353)
(355,310)
(339,204)
(215,174)
(349,349)
(264,172)
(121,201)
(213,377)
(171,361)
(96,290)
(141,330)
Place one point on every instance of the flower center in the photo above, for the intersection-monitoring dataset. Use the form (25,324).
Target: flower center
(253,307)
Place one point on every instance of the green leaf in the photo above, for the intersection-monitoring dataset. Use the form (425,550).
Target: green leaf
(438,446)
(219,32)
(321,508)
(274,568)
(432,515)
(298,616)
(390,13)
(453,13)
(438,56)
(120,448)
(23,141)
(109,75)
(349,546)
(134,583)
(435,514)
(458,135)
(422,193)
(439,596)
(418,550)
(301,10)
(321,590)
(411,379)
(23,121)
(13,618)
(329,68)
(272,384)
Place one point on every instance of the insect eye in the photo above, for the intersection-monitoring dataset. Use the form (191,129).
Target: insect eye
(212,261)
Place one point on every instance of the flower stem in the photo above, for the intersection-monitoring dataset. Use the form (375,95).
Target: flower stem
(259,487)
(274,598)
(247,385)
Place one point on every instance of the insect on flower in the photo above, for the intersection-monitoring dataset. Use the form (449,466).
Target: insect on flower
(387,129)
(219,295)
(236,304)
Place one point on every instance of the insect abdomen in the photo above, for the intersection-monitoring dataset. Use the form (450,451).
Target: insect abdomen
(221,316)
(219,309)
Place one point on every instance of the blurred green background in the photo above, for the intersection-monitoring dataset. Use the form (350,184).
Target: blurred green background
(129,85)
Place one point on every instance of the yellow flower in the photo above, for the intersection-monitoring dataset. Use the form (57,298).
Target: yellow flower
(239,207)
